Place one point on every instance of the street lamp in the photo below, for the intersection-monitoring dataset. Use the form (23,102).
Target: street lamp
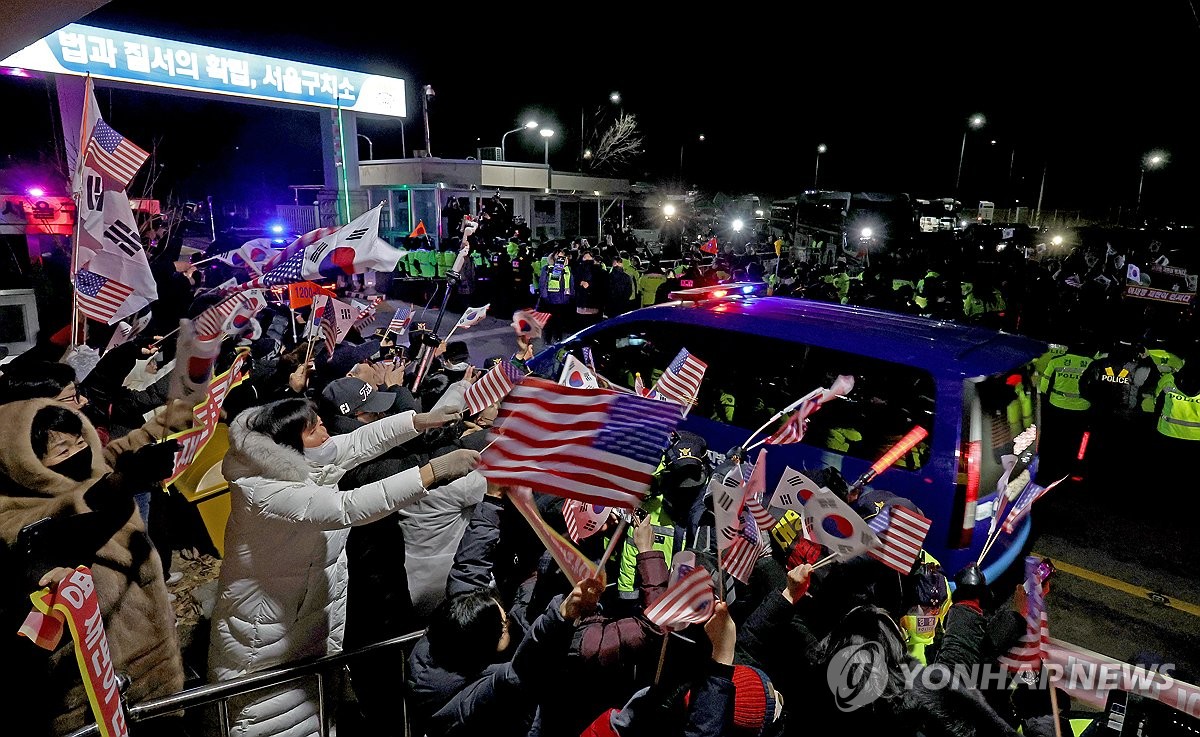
(531,125)
(976,121)
(821,148)
(370,147)
(738,225)
(669,210)
(1152,160)
(615,98)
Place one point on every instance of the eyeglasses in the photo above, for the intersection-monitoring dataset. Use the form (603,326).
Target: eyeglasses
(72,398)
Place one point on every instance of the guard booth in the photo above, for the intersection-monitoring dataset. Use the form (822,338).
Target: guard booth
(553,204)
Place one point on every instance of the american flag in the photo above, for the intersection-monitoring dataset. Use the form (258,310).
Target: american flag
(902,532)
(583,519)
(400,320)
(112,156)
(213,321)
(588,444)
(689,601)
(681,381)
(493,386)
(329,326)
(1024,503)
(761,516)
(743,547)
(1028,653)
(792,431)
(99,297)
(472,316)
(366,314)
(288,272)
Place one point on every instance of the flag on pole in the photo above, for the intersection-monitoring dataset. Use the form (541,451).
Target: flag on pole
(472,316)
(493,386)
(114,157)
(109,244)
(529,323)
(793,490)
(710,246)
(792,431)
(352,249)
(229,315)
(100,297)
(366,312)
(320,305)
(836,526)
(756,485)
(252,255)
(418,231)
(903,533)
(576,373)
(399,322)
(689,601)
(1024,503)
(762,518)
(299,244)
(583,519)
(587,444)
(344,315)
(574,565)
(1029,652)
(681,381)
(737,547)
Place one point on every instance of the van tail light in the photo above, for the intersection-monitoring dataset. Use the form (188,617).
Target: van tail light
(1083,443)
(969,494)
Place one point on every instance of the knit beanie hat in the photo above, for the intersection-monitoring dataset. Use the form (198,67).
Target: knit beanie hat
(753,700)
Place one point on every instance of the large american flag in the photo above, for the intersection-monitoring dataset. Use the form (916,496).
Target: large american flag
(288,272)
(588,444)
(493,386)
(681,381)
(99,297)
(1028,653)
(113,156)
(902,532)
(689,601)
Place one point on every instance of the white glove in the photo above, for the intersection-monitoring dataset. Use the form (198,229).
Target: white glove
(453,465)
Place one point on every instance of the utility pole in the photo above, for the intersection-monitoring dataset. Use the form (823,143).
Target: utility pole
(1041,191)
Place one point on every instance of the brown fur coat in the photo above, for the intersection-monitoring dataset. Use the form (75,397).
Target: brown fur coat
(138,617)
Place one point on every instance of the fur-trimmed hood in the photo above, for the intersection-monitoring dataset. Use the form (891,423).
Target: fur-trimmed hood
(253,453)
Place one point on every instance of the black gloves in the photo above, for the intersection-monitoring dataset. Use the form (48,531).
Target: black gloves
(146,466)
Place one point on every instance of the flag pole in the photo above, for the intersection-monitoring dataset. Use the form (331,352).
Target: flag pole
(814,393)
(612,543)
(662,658)
(825,561)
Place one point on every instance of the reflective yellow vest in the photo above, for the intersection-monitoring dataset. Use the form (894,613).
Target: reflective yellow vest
(1062,379)
(1180,416)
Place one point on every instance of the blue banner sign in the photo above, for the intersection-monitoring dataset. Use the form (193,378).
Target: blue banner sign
(128,57)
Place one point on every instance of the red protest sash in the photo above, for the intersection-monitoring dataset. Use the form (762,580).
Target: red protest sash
(206,415)
(74,601)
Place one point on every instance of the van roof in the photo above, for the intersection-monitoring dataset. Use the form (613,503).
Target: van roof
(940,347)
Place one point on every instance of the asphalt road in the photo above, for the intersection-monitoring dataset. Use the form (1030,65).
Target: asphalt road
(1118,536)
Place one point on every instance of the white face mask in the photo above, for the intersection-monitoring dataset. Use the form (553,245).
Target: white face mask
(323,454)
(458,366)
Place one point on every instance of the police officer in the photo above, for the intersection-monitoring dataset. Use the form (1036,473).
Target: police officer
(1112,385)
(1066,414)
(556,295)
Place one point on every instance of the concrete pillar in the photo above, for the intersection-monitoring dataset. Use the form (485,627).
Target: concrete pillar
(339,148)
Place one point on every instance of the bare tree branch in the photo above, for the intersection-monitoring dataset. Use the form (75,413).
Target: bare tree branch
(620,144)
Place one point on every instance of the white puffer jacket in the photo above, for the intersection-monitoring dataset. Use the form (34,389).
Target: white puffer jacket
(283,579)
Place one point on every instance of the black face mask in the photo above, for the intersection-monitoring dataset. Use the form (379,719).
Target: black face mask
(78,467)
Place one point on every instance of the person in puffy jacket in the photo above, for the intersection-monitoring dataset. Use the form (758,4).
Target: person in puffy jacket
(283,580)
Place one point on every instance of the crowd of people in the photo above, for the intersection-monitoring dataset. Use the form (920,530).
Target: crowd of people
(358,514)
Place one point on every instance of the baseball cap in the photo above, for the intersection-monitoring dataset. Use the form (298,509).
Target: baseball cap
(348,355)
(351,396)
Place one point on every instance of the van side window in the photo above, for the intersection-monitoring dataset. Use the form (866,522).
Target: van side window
(750,378)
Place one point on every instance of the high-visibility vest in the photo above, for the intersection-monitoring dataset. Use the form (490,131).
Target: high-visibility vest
(1166,361)
(1151,399)
(1180,416)
(648,284)
(1041,362)
(1062,379)
(664,540)
(1020,411)
(919,628)
(555,283)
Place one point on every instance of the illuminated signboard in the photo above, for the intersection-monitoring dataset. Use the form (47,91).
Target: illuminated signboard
(129,57)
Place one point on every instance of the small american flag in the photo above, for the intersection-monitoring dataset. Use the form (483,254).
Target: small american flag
(329,326)
(583,519)
(689,601)
(400,321)
(681,381)
(215,320)
(588,444)
(113,156)
(1024,503)
(743,548)
(761,516)
(792,431)
(366,315)
(1028,653)
(902,532)
(472,316)
(493,386)
(99,297)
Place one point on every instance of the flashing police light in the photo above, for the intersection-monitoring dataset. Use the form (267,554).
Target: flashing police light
(720,291)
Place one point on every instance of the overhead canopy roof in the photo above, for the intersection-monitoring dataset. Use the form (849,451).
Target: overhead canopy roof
(26,21)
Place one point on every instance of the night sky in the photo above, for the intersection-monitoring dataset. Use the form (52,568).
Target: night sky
(1075,87)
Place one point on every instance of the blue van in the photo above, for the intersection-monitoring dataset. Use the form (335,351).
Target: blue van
(971,388)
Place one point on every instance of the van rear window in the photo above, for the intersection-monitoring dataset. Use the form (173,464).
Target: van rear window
(995,410)
(751,377)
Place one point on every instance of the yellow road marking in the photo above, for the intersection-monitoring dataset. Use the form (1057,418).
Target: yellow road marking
(1128,588)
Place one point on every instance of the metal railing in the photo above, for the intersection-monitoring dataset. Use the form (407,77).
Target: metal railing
(299,218)
(220,693)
